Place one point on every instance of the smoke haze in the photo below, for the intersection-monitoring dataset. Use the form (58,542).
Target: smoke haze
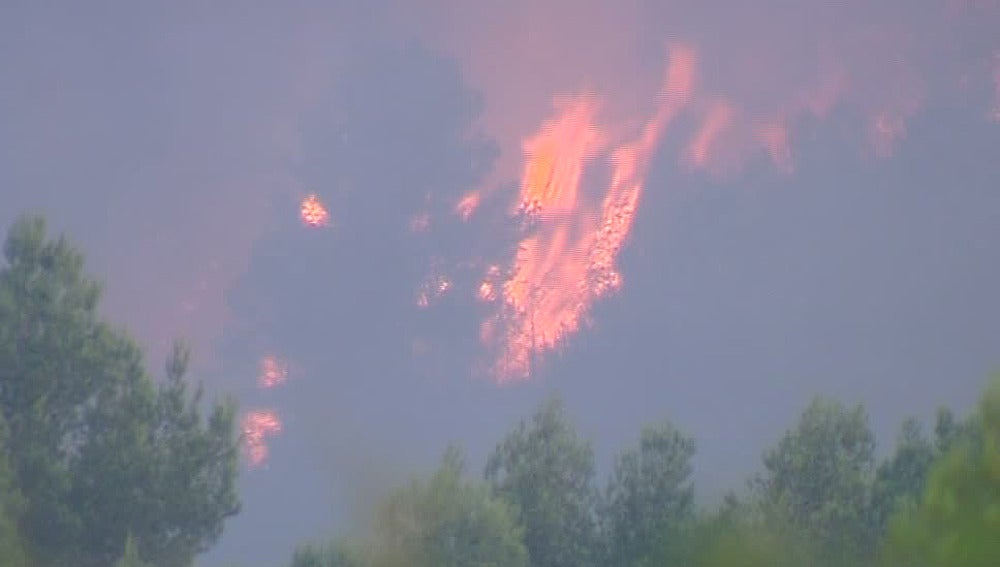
(817,216)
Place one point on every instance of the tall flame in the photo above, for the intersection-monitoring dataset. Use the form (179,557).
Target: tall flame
(546,292)
(567,258)
(257,427)
(630,165)
(761,92)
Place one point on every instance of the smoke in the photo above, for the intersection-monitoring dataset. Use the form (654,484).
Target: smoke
(341,304)
(755,74)
(160,140)
(178,145)
(184,125)
(764,67)
(379,310)
(737,89)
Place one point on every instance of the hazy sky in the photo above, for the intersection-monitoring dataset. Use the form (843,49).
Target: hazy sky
(819,217)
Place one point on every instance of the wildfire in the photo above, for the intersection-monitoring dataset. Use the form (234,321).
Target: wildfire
(258,425)
(567,258)
(546,292)
(273,372)
(434,286)
(468,205)
(313,213)
(761,94)
(488,287)
(631,163)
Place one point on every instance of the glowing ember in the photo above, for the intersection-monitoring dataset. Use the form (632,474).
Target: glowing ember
(487,292)
(313,213)
(432,289)
(567,259)
(273,372)
(488,287)
(468,205)
(258,425)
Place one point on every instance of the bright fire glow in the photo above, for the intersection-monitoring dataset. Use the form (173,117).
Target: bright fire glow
(273,372)
(467,206)
(488,287)
(257,427)
(567,258)
(583,167)
(313,213)
(433,288)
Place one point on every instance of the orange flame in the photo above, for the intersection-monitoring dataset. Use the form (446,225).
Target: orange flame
(313,213)
(488,287)
(546,292)
(567,260)
(631,163)
(273,372)
(467,206)
(729,133)
(257,426)
(754,101)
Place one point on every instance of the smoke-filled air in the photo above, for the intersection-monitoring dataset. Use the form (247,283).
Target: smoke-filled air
(534,283)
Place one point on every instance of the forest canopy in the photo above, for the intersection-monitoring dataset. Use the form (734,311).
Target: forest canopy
(96,454)
(101,464)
